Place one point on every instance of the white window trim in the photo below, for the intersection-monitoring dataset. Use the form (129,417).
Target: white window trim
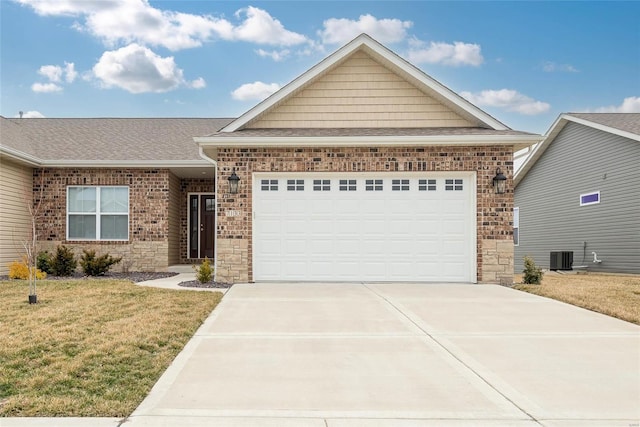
(591,193)
(98,214)
(199,219)
(516,225)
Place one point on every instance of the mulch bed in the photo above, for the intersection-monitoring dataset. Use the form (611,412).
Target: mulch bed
(140,276)
(134,276)
(211,284)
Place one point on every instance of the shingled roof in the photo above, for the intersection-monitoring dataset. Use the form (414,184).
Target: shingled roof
(628,122)
(626,125)
(107,139)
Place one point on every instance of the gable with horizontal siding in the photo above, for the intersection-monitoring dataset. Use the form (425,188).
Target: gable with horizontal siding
(360,93)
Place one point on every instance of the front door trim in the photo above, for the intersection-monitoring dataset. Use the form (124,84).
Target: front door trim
(199,194)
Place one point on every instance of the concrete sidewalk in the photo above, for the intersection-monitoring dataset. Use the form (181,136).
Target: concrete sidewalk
(399,355)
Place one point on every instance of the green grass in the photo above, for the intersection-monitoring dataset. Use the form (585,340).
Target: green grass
(610,294)
(90,347)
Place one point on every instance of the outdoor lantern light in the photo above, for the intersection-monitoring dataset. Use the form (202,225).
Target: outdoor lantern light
(499,182)
(233,182)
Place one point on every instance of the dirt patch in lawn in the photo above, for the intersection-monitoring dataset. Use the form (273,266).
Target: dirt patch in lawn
(90,347)
(613,295)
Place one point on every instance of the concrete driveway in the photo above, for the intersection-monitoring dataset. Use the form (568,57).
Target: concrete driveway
(331,355)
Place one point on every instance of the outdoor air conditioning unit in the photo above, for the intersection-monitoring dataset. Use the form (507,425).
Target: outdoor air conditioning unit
(561,260)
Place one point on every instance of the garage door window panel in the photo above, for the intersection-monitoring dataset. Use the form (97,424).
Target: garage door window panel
(295,185)
(453,185)
(400,185)
(269,185)
(348,185)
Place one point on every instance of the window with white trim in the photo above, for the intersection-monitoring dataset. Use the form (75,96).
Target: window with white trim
(97,213)
(516,226)
(321,185)
(590,198)
(347,185)
(295,185)
(269,185)
(373,185)
(400,185)
(426,185)
(453,185)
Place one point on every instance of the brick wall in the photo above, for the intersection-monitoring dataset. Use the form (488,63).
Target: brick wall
(147,248)
(494,212)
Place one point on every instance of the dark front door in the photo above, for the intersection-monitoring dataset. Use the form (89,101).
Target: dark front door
(202,214)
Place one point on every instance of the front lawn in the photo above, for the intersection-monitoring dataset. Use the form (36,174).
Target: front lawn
(613,295)
(90,347)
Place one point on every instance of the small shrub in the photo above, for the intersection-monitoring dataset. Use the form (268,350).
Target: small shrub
(43,262)
(20,270)
(96,266)
(204,272)
(63,263)
(532,273)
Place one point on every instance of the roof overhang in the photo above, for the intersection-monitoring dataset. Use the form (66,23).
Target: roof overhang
(553,132)
(518,141)
(388,59)
(19,156)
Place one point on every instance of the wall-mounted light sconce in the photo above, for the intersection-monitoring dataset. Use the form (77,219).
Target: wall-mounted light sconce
(499,182)
(233,182)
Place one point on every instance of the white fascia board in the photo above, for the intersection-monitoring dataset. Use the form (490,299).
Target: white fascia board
(385,53)
(20,156)
(358,141)
(533,157)
(126,163)
(603,128)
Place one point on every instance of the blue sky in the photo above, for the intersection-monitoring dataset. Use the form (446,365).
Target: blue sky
(522,62)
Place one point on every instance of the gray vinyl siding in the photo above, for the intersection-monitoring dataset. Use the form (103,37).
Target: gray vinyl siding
(582,160)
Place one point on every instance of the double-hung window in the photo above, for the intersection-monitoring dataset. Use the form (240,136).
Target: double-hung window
(97,213)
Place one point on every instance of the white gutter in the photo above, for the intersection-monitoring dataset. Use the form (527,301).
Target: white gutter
(125,163)
(20,156)
(215,220)
(366,141)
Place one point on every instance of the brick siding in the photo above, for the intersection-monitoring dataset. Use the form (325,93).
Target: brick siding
(147,248)
(494,212)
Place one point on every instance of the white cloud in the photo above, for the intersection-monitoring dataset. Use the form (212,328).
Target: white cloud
(198,83)
(260,27)
(45,87)
(137,69)
(551,67)
(340,30)
(70,72)
(136,21)
(67,7)
(455,54)
(255,90)
(629,105)
(507,99)
(276,55)
(30,115)
(52,72)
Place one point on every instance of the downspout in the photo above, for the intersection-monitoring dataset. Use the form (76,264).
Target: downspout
(215,221)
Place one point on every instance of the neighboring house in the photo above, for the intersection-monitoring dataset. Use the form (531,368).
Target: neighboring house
(579,192)
(363,168)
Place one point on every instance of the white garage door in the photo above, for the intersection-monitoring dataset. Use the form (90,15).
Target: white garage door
(364,227)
